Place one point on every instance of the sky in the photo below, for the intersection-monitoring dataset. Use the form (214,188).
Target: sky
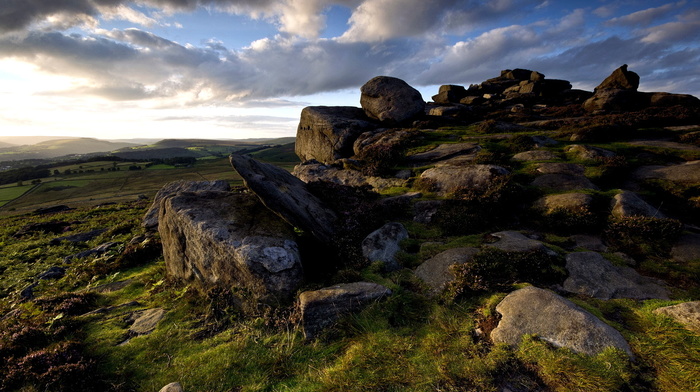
(235,69)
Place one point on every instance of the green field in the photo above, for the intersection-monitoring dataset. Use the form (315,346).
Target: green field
(9,193)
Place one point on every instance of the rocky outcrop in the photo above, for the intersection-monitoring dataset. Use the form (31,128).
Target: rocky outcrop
(592,274)
(229,239)
(383,244)
(287,196)
(447,180)
(554,319)
(436,273)
(390,100)
(322,308)
(686,313)
(620,79)
(313,171)
(150,219)
(327,134)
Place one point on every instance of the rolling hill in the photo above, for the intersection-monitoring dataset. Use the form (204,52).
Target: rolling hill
(61,147)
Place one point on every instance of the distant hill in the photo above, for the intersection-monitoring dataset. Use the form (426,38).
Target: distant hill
(6,145)
(58,148)
(158,153)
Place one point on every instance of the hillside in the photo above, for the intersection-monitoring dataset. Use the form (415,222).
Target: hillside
(58,148)
(515,235)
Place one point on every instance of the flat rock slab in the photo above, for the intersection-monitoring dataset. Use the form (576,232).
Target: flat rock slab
(687,313)
(593,275)
(451,179)
(310,172)
(686,173)
(287,196)
(443,152)
(435,272)
(561,168)
(150,219)
(384,243)
(322,308)
(532,310)
(687,248)
(535,155)
(513,241)
(665,144)
(563,182)
(145,321)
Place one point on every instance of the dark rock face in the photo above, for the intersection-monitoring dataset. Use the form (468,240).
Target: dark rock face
(383,244)
(327,134)
(532,310)
(230,239)
(435,272)
(322,308)
(391,100)
(450,93)
(150,219)
(592,274)
(287,196)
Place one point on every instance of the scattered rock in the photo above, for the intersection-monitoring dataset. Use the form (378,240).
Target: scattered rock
(627,204)
(145,321)
(687,248)
(687,313)
(443,152)
(435,272)
(574,202)
(588,153)
(172,387)
(425,210)
(80,237)
(150,219)
(592,274)
(327,134)
(589,242)
(224,238)
(556,320)
(112,287)
(391,100)
(563,182)
(51,210)
(513,241)
(52,273)
(322,308)
(535,155)
(97,251)
(451,179)
(287,196)
(27,293)
(383,244)
(573,169)
(686,173)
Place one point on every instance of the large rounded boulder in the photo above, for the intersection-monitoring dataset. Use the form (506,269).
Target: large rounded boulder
(391,100)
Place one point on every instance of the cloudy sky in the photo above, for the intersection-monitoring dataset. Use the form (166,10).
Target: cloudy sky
(246,68)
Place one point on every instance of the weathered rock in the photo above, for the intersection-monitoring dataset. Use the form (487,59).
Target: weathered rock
(450,93)
(688,172)
(554,319)
(443,152)
(450,179)
(435,272)
(145,321)
(535,155)
(687,248)
(617,100)
(563,182)
(383,244)
(310,172)
(391,100)
(150,219)
(687,313)
(573,202)
(52,273)
(112,286)
(561,168)
(667,99)
(328,133)
(592,274)
(96,251)
(80,237)
(627,204)
(383,139)
(172,387)
(287,196)
(587,152)
(665,144)
(543,141)
(620,79)
(492,126)
(513,241)
(230,239)
(322,308)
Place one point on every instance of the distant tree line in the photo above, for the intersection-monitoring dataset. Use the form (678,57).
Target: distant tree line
(23,174)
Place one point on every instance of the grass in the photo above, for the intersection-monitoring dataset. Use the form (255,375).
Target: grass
(9,193)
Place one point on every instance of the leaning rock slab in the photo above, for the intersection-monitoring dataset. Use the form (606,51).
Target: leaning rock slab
(322,308)
(150,219)
(435,272)
(592,274)
(620,79)
(383,244)
(287,196)
(450,179)
(328,133)
(687,313)
(556,320)
(391,100)
(230,239)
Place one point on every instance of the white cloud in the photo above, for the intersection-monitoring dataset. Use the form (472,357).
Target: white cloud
(645,17)
(687,29)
